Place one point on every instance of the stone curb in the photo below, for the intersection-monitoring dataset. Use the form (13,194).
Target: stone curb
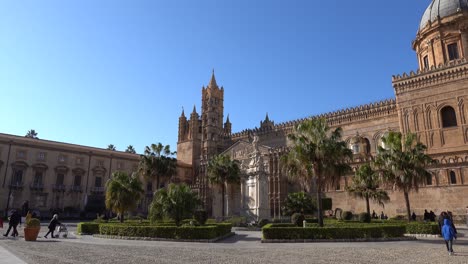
(422,235)
(338,240)
(166,239)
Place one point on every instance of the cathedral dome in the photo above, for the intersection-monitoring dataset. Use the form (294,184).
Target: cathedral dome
(441,9)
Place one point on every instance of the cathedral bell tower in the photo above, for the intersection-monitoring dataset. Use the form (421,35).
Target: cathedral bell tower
(212,118)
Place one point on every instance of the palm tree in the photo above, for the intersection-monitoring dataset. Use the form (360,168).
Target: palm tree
(403,163)
(111,147)
(222,171)
(365,185)
(32,134)
(130,149)
(177,202)
(123,193)
(317,154)
(157,162)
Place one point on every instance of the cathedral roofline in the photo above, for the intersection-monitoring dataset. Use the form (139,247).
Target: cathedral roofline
(360,112)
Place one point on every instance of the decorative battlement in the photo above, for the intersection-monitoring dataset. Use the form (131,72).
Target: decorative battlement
(348,115)
(452,70)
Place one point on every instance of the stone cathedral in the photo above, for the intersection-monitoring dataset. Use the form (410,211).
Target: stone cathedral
(429,102)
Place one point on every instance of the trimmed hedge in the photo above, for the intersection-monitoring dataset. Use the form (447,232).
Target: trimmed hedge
(422,228)
(271,231)
(87,228)
(172,232)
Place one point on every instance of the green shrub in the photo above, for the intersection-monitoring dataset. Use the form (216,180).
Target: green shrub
(201,216)
(364,218)
(311,220)
(236,221)
(33,222)
(297,219)
(262,222)
(272,231)
(327,204)
(87,228)
(172,232)
(422,228)
(347,216)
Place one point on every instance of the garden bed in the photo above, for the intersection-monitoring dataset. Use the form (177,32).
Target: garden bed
(164,231)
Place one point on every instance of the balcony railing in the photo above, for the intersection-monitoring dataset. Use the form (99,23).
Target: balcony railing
(97,190)
(16,186)
(58,188)
(36,186)
(76,188)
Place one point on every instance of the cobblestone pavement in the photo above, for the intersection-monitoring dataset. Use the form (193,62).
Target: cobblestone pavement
(245,247)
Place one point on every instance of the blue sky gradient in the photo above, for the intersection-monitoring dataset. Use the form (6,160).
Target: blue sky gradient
(100,72)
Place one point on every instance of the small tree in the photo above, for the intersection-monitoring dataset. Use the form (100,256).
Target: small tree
(130,149)
(403,164)
(32,134)
(222,171)
(123,193)
(111,147)
(299,202)
(365,185)
(176,202)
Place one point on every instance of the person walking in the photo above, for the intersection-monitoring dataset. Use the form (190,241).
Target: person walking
(449,234)
(52,225)
(15,219)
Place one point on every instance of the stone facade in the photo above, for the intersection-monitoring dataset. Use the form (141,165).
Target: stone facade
(429,102)
(56,176)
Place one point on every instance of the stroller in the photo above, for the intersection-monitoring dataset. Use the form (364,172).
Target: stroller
(62,231)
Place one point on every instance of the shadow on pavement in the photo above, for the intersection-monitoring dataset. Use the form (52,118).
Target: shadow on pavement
(238,238)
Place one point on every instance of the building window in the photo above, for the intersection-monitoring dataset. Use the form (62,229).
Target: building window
(449,119)
(100,163)
(77,181)
(41,200)
(17,178)
(429,180)
(79,161)
(338,187)
(355,148)
(98,182)
(452,50)
(62,158)
(453,177)
(149,187)
(21,154)
(38,178)
(60,178)
(41,156)
(426,62)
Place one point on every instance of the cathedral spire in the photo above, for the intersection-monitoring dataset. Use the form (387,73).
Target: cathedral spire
(213,83)
(194,110)
(227,119)
(266,117)
(183,114)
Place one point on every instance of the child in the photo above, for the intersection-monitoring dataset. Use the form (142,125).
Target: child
(449,234)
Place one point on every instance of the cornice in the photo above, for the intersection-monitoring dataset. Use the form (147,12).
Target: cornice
(451,71)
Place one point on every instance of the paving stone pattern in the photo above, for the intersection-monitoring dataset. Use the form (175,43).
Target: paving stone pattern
(245,247)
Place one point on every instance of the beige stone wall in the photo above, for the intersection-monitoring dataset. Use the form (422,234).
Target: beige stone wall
(50,159)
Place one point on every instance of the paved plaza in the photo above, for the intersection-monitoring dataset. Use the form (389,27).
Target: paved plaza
(245,247)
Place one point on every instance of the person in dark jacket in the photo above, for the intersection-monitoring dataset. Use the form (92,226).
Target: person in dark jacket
(15,219)
(52,225)
(449,234)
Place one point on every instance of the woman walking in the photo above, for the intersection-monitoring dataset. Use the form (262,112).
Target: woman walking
(52,225)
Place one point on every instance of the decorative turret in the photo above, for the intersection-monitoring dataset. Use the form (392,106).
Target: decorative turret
(182,126)
(227,126)
(267,124)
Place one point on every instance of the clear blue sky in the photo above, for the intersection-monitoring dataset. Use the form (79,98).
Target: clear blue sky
(112,71)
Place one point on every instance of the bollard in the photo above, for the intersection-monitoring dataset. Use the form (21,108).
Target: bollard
(304,223)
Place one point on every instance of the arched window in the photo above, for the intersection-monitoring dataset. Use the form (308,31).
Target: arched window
(453,177)
(368,146)
(449,119)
